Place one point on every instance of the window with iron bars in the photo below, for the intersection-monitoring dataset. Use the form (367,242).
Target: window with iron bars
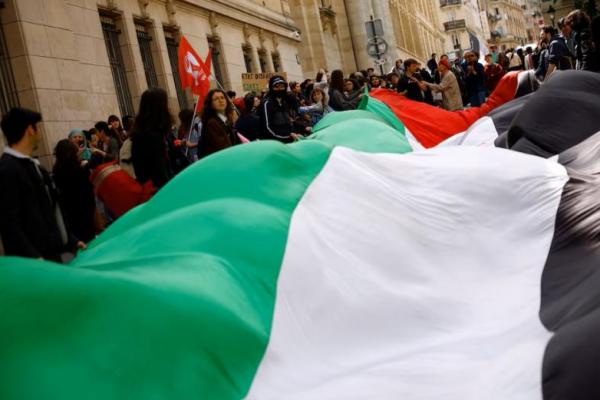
(276,62)
(8,89)
(172,49)
(117,66)
(247,50)
(262,60)
(145,42)
(215,52)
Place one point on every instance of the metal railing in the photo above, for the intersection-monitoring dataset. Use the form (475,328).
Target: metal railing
(145,42)
(117,66)
(214,44)
(444,3)
(172,49)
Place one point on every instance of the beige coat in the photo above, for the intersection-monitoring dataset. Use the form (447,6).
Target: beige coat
(451,98)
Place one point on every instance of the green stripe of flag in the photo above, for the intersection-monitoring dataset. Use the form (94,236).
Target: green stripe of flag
(175,300)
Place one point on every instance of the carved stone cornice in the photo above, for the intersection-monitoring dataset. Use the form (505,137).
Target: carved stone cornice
(144,7)
(328,20)
(171,11)
(246,32)
(213,23)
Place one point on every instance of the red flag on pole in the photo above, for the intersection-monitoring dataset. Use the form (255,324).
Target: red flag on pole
(190,65)
(193,72)
(204,86)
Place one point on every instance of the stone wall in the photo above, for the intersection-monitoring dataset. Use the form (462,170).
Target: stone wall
(61,65)
(326,38)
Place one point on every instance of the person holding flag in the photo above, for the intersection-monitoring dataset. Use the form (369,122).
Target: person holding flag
(218,119)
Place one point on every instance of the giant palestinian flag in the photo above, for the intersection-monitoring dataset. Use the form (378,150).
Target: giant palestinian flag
(342,267)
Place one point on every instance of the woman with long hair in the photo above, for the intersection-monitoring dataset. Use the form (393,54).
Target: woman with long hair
(337,100)
(248,124)
(76,193)
(115,125)
(218,120)
(149,138)
(318,107)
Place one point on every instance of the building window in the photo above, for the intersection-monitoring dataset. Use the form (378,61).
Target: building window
(215,50)
(117,66)
(8,90)
(145,42)
(247,50)
(172,49)
(262,60)
(276,62)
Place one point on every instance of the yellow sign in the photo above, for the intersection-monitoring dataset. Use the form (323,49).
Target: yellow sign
(260,81)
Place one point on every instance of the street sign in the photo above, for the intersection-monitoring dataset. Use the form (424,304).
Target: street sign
(374,28)
(381,61)
(377,46)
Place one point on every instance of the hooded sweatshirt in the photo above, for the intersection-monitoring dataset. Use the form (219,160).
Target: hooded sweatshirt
(275,113)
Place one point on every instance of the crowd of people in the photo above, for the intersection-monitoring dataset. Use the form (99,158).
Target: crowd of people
(103,171)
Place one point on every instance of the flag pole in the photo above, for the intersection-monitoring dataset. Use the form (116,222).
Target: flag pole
(196,98)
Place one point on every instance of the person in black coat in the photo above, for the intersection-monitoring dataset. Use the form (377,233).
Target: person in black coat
(248,124)
(31,222)
(151,128)
(76,192)
(277,112)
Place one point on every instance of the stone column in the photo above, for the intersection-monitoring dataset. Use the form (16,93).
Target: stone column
(381,10)
(164,73)
(359,11)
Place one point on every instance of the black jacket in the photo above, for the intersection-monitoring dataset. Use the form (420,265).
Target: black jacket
(339,102)
(28,211)
(276,118)
(76,196)
(559,53)
(586,53)
(150,158)
(249,126)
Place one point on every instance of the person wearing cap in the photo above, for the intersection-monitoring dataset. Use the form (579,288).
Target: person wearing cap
(276,112)
(451,97)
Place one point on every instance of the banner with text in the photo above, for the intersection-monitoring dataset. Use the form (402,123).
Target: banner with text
(257,82)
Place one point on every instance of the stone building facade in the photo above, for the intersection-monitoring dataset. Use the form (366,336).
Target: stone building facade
(508,23)
(78,61)
(326,35)
(417,29)
(464,26)
(411,29)
(534,20)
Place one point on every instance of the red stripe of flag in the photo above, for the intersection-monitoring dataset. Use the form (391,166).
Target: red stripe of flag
(432,125)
